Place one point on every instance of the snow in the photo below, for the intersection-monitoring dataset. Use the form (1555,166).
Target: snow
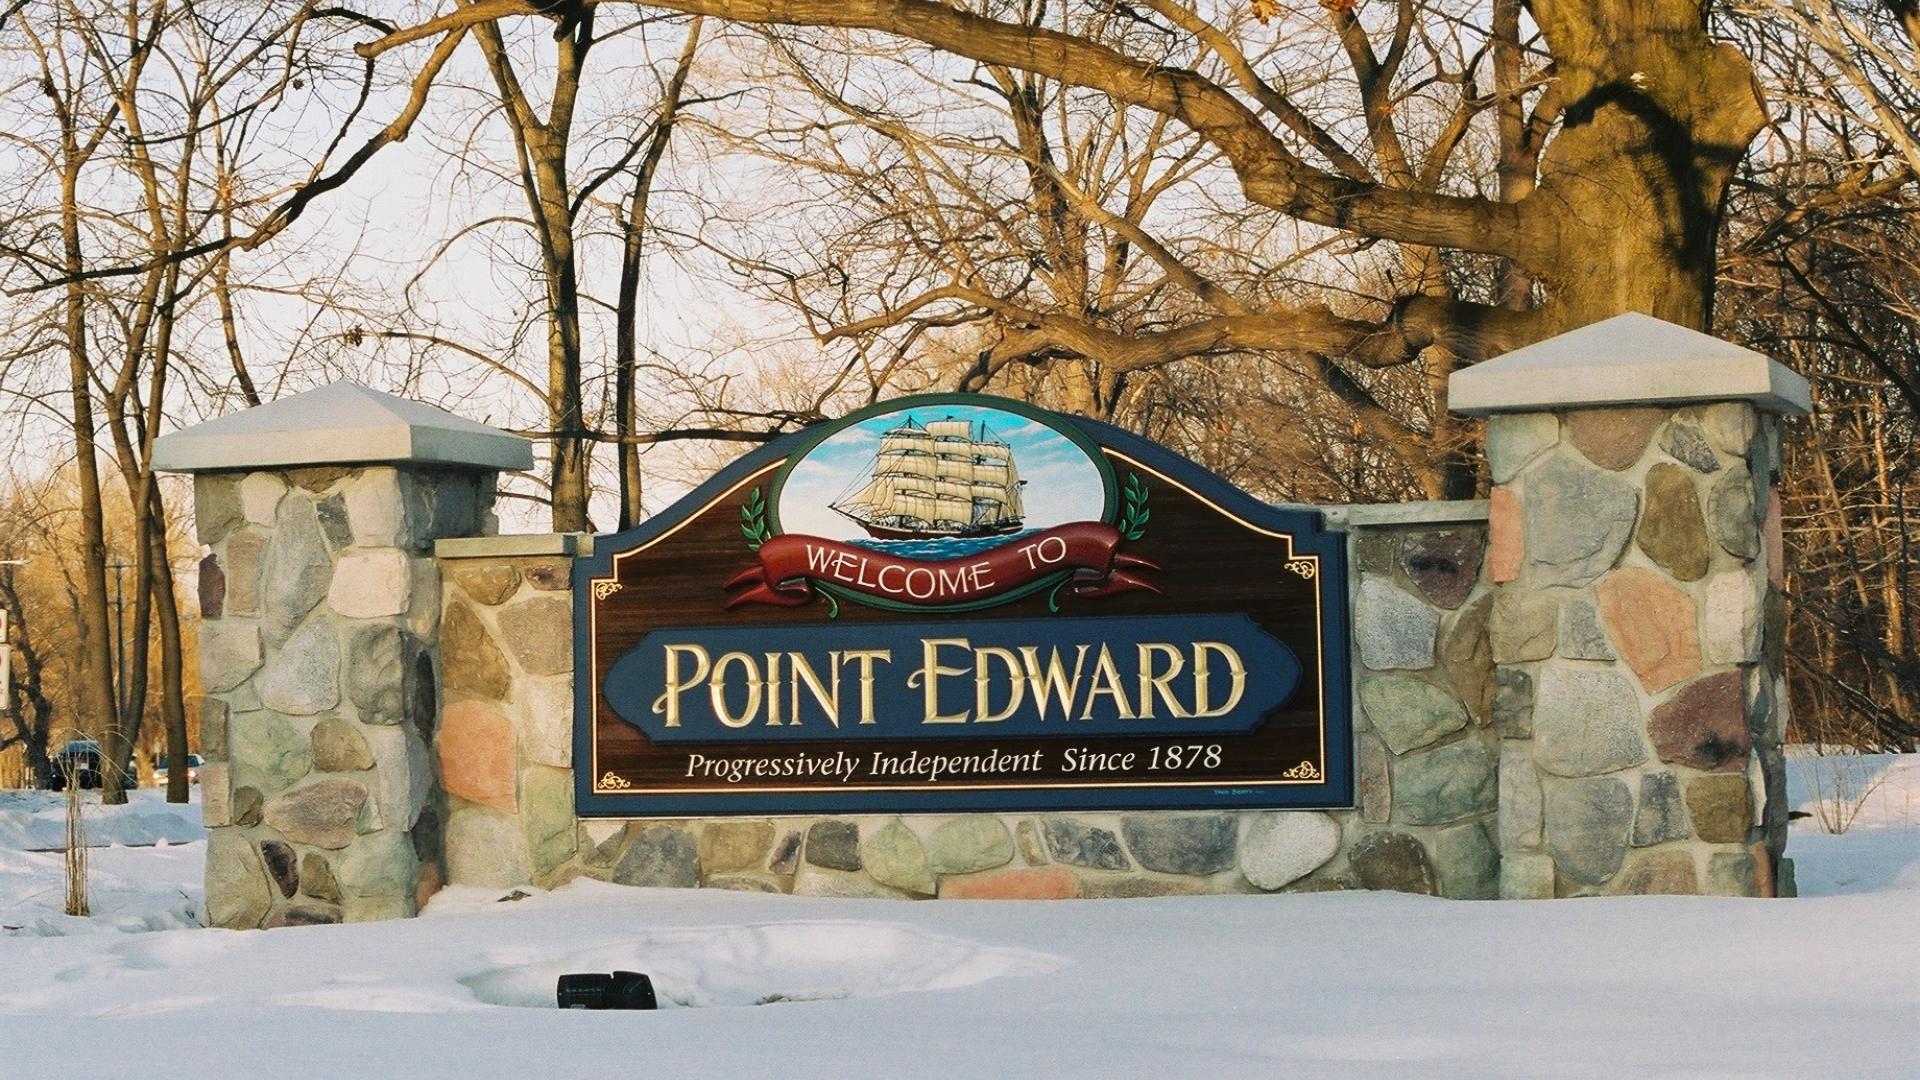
(37,820)
(1320,985)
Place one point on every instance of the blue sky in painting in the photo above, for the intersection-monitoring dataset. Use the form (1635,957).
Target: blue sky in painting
(1062,484)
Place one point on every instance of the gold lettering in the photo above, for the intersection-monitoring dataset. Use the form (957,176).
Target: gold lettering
(669,701)
(1106,680)
(1151,684)
(982,680)
(1053,681)
(716,690)
(803,673)
(1201,676)
(866,658)
(928,679)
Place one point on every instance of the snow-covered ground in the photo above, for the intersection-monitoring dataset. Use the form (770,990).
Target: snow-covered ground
(1322,985)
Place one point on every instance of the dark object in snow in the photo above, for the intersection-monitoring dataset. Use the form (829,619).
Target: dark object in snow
(1796,815)
(620,990)
(512,896)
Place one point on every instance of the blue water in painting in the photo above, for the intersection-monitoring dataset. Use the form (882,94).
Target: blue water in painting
(942,547)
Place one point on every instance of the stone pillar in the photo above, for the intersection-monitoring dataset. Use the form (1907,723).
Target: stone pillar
(1634,541)
(320,606)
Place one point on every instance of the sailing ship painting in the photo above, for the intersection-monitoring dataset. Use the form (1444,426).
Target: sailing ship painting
(947,478)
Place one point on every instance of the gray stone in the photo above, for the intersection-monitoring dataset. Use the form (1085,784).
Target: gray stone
(546,806)
(382,865)
(842,884)
(1788,885)
(1731,518)
(216,507)
(1586,721)
(216,795)
(321,814)
(1526,877)
(1578,521)
(1375,781)
(247,802)
(371,583)
(1186,844)
(1079,844)
(238,894)
(1131,887)
(1393,628)
(1587,823)
(1687,443)
(303,915)
(260,495)
(1513,439)
(486,847)
(317,880)
(1026,837)
(834,845)
(1731,873)
(1581,636)
(894,856)
(339,747)
(1446,784)
(1730,426)
(546,720)
(786,856)
(1513,704)
(600,841)
(303,678)
(540,634)
(1522,807)
(360,909)
(755,883)
(1281,848)
(1466,654)
(332,513)
(1408,712)
(1523,625)
(283,867)
(246,551)
(377,672)
(213,729)
(405,778)
(1731,619)
(1672,531)
(1392,861)
(1662,812)
(376,509)
(267,751)
(229,654)
(297,570)
(661,856)
(967,845)
(1445,566)
(1466,862)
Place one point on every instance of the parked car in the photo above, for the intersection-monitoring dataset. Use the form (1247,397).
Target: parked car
(79,762)
(160,770)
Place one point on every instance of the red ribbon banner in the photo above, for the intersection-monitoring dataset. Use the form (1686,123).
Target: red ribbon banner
(789,566)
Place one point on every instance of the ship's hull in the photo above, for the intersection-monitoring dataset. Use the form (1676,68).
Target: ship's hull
(885,532)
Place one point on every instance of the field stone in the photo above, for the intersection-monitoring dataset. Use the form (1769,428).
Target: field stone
(1522,626)
(1394,628)
(260,497)
(1731,873)
(1729,425)
(216,795)
(237,892)
(786,857)
(332,513)
(1721,806)
(1662,812)
(216,507)
(316,878)
(1078,843)
(1526,876)
(245,555)
(1587,824)
(282,866)
(1522,806)
(1686,442)
(1731,620)
(376,509)
(730,845)
(474,665)
(303,915)
(380,866)
(1026,837)
(1581,636)
(1438,786)
(489,583)
(846,885)
(1466,862)
(376,674)
(477,761)
(213,729)
(321,814)
(1578,520)
(270,749)
(1394,862)
(297,570)
(405,778)
(338,747)
(1673,532)
(371,583)
(213,588)
(1185,844)
(1281,848)
(539,632)
(1731,514)
(1586,721)
(1467,656)
(1506,535)
(1445,566)
(894,856)
(554,575)
(967,845)
(1408,712)
(1375,780)
(1513,439)
(834,845)
(229,654)
(303,678)
(1513,704)
(661,856)
(1613,438)
(487,848)
(247,802)
(1655,625)
(1704,725)
(547,811)
(1659,873)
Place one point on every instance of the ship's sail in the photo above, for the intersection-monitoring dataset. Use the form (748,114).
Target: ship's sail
(946,478)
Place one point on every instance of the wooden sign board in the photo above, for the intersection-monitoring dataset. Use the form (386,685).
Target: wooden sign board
(959,603)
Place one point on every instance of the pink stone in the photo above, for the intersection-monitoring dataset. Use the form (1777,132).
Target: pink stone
(476,755)
(1653,623)
(1770,534)
(1704,725)
(1050,883)
(1506,538)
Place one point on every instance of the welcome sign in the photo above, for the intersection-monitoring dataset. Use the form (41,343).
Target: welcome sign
(950,603)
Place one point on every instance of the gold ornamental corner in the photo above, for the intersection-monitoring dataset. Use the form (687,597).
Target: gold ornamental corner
(1306,770)
(611,781)
(1306,568)
(606,587)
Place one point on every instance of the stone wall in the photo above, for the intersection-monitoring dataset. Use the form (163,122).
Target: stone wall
(321,608)
(1638,557)
(1428,789)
